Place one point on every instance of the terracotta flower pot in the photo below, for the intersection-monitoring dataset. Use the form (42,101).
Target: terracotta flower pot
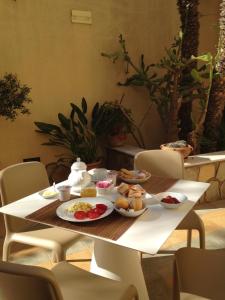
(96,164)
(117,139)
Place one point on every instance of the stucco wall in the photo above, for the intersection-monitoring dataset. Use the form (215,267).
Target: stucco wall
(61,61)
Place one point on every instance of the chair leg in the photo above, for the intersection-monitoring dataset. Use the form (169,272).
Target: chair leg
(202,239)
(189,236)
(6,249)
(136,297)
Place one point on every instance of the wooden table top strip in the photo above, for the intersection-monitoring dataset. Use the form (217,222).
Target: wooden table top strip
(112,227)
(157,184)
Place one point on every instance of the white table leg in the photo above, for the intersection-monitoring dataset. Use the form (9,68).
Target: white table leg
(119,263)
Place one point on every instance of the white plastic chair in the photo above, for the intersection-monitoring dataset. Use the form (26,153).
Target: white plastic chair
(201,274)
(18,181)
(63,282)
(170,164)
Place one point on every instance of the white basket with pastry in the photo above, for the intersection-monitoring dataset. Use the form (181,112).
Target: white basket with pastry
(130,203)
(134,176)
(131,190)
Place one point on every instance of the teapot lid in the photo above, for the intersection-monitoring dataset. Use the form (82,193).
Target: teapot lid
(79,165)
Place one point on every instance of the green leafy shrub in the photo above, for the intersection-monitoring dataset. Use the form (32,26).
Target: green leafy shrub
(73,134)
(13,97)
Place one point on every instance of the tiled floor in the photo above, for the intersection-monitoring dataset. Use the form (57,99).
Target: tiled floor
(81,250)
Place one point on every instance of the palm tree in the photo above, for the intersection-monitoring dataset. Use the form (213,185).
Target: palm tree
(217,95)
(189,17)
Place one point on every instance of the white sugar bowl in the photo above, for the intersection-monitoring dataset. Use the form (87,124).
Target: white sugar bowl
(79,175)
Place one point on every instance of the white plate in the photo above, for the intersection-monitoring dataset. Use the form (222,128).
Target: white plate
(130,213)
(135,180)
(52,196)
(180,197)
(69,216)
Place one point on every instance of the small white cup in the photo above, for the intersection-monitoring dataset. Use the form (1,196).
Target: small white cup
(64,192)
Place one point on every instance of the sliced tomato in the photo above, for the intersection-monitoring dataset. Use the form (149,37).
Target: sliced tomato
(101,206)
(101,210)
(93,214)
(98,210)
(80,215)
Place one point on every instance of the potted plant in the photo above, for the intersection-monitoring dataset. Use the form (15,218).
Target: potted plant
(73,134)
(180,146)
(113,121)
(13,97)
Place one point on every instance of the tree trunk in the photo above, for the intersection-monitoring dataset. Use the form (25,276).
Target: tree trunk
(172,128)
(214,114)
(189,17)
(217,93)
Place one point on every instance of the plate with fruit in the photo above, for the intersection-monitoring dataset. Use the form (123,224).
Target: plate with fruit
(129,207)
(85,209)
(170,199)
(134,176)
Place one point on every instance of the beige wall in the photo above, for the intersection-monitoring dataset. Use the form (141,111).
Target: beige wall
(61,61)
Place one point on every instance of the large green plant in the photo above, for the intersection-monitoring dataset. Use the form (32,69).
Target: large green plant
(13,97)
(162,81)
(73,134)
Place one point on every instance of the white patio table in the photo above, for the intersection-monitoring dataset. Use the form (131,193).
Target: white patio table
(118,256)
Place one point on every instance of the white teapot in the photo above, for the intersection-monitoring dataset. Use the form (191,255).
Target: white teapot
(79,175)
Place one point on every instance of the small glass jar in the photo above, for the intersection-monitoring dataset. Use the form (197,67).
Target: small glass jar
(104,187)
(88,191)
(112,176)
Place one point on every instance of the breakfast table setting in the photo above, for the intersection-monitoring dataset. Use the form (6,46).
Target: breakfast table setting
(125,212)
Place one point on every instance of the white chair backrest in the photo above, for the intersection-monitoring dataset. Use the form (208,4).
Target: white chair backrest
(160,163)
(201,272)
(22,282)
(18,181)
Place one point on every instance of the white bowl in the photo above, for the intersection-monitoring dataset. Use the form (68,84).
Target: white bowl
(180,197)
(130,213)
